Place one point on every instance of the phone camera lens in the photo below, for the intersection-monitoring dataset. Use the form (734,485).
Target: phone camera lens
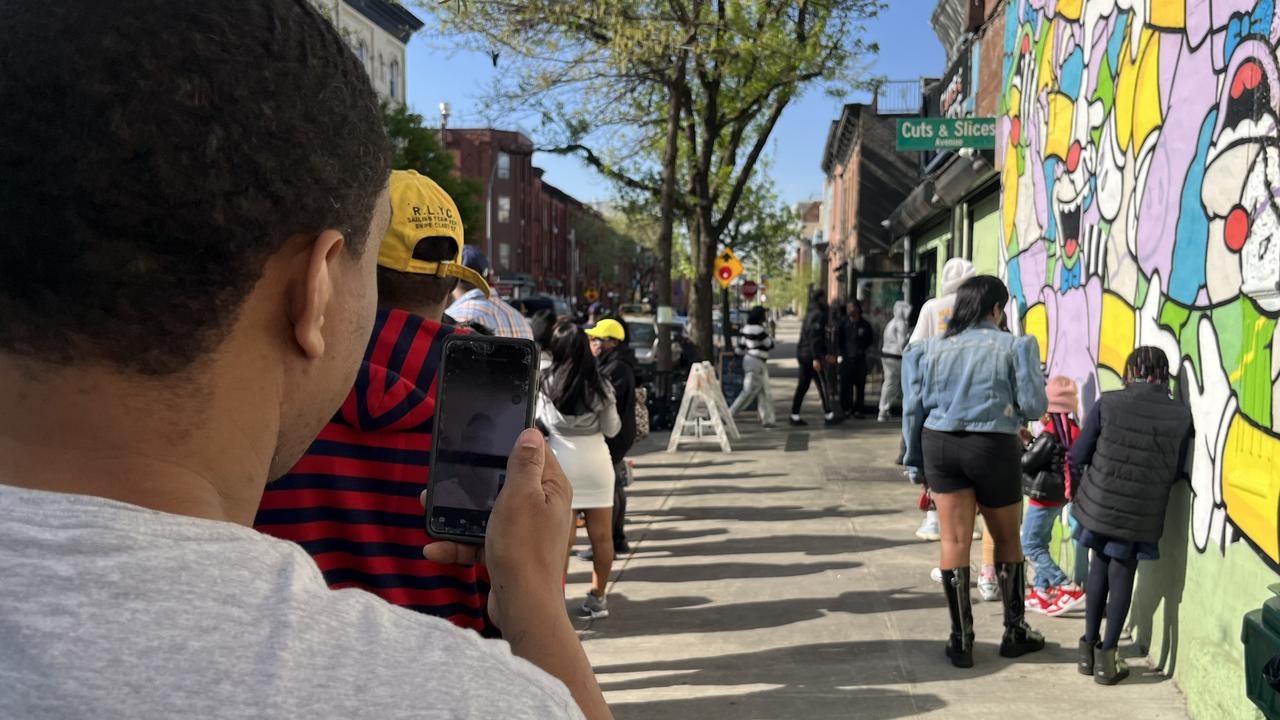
(517,399)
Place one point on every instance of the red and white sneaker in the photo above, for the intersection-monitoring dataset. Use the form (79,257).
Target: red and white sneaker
(1068,598)
(1039,602)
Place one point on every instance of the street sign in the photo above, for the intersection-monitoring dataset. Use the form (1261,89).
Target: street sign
(749,289)
(728,267)
(591,295)
(946,133)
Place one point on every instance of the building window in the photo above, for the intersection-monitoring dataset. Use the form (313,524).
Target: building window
(504,166)
(362,52)
(504,208)
(393,79)
(504,256)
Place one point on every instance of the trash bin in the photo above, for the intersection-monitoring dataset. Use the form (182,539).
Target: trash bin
(1261,638)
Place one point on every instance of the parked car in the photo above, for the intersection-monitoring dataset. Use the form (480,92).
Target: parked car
(635,309)
(644,340)
(534,304)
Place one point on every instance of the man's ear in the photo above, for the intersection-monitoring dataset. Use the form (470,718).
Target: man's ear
(313,295)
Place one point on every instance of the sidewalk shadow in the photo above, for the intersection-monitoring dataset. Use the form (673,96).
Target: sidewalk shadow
(650,477)
(813,545)
(716,571)
(816,668)
(680,616)
(694,490)
(1160,585)
(652,534)
(682,465)
(787,702)
(739,513)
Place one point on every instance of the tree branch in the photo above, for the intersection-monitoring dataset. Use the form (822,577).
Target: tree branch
(744,175)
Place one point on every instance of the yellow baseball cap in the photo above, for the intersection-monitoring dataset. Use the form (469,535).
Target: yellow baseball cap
(420,209)
(607,328)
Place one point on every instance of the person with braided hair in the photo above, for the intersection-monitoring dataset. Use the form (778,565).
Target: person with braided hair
(1135,444)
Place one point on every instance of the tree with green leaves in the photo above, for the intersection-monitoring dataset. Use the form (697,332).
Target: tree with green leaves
(417,146)
(673,98)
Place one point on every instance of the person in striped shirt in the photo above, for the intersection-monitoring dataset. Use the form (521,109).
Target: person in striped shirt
(352,500)
(474,305)
(754,343)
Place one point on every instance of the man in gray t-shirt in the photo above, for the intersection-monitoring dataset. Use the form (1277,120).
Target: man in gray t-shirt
(186,290)
(112,610)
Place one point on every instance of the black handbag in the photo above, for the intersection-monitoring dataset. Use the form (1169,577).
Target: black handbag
(1043,478)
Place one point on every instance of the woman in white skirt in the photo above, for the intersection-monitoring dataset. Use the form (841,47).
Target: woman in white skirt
(577,410)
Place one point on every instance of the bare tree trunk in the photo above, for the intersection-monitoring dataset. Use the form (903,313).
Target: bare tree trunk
(670,156)
(702,249)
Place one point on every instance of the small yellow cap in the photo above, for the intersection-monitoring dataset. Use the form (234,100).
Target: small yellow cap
(607,328)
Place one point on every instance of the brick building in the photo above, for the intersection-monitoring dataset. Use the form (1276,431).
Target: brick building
(865,180)
(532,229)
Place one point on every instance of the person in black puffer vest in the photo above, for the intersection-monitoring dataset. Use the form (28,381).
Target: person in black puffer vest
(1135,443)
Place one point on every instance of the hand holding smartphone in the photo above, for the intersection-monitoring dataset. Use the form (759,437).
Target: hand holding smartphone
(484,399)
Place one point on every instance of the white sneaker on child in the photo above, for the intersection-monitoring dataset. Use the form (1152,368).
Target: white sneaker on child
(929,529)
(988,586)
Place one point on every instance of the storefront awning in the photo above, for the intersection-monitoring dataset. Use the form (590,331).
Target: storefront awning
(943,189)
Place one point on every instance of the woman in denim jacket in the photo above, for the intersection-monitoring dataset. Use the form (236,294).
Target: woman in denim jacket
(966,395)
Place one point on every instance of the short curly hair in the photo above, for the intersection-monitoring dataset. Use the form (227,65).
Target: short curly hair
(154,154)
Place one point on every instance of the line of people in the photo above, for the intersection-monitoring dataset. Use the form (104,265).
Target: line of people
(969,394)
(844,344)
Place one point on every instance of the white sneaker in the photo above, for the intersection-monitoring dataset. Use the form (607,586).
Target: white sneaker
(596,608)
(936,575)
(988,586)
(929,529)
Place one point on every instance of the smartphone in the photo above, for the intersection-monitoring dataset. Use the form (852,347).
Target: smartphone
(484,400)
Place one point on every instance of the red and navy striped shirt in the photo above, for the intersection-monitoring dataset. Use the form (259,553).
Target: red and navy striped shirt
(352,500)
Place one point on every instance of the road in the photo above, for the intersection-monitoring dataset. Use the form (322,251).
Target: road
(784,580)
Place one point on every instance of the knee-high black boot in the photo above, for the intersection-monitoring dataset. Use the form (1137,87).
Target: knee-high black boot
(1019,638)
(955,583)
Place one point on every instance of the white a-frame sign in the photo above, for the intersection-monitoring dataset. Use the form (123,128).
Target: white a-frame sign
(704,415)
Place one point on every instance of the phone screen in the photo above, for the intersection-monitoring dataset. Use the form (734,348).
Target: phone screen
(484,401)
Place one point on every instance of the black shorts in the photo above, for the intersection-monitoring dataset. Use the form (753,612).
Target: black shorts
(988,463)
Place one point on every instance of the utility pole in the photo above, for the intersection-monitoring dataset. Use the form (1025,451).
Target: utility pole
(573,266)
(724,320)
(444,124)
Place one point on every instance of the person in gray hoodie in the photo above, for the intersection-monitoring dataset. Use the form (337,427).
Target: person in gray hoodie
(895,341)
(935,315)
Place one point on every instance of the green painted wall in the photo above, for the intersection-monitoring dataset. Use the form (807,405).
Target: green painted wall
(1187,613)
(986,235)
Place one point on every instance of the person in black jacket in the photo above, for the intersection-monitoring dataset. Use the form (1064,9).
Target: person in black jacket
(812,352)
(608,344)
(855,336)
(1135,443)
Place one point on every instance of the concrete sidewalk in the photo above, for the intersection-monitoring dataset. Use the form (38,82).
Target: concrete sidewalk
(784,580)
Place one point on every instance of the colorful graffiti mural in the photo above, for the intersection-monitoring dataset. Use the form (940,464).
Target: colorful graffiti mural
(1140,142)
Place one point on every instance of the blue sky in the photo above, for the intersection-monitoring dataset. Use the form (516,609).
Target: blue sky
(908,49)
